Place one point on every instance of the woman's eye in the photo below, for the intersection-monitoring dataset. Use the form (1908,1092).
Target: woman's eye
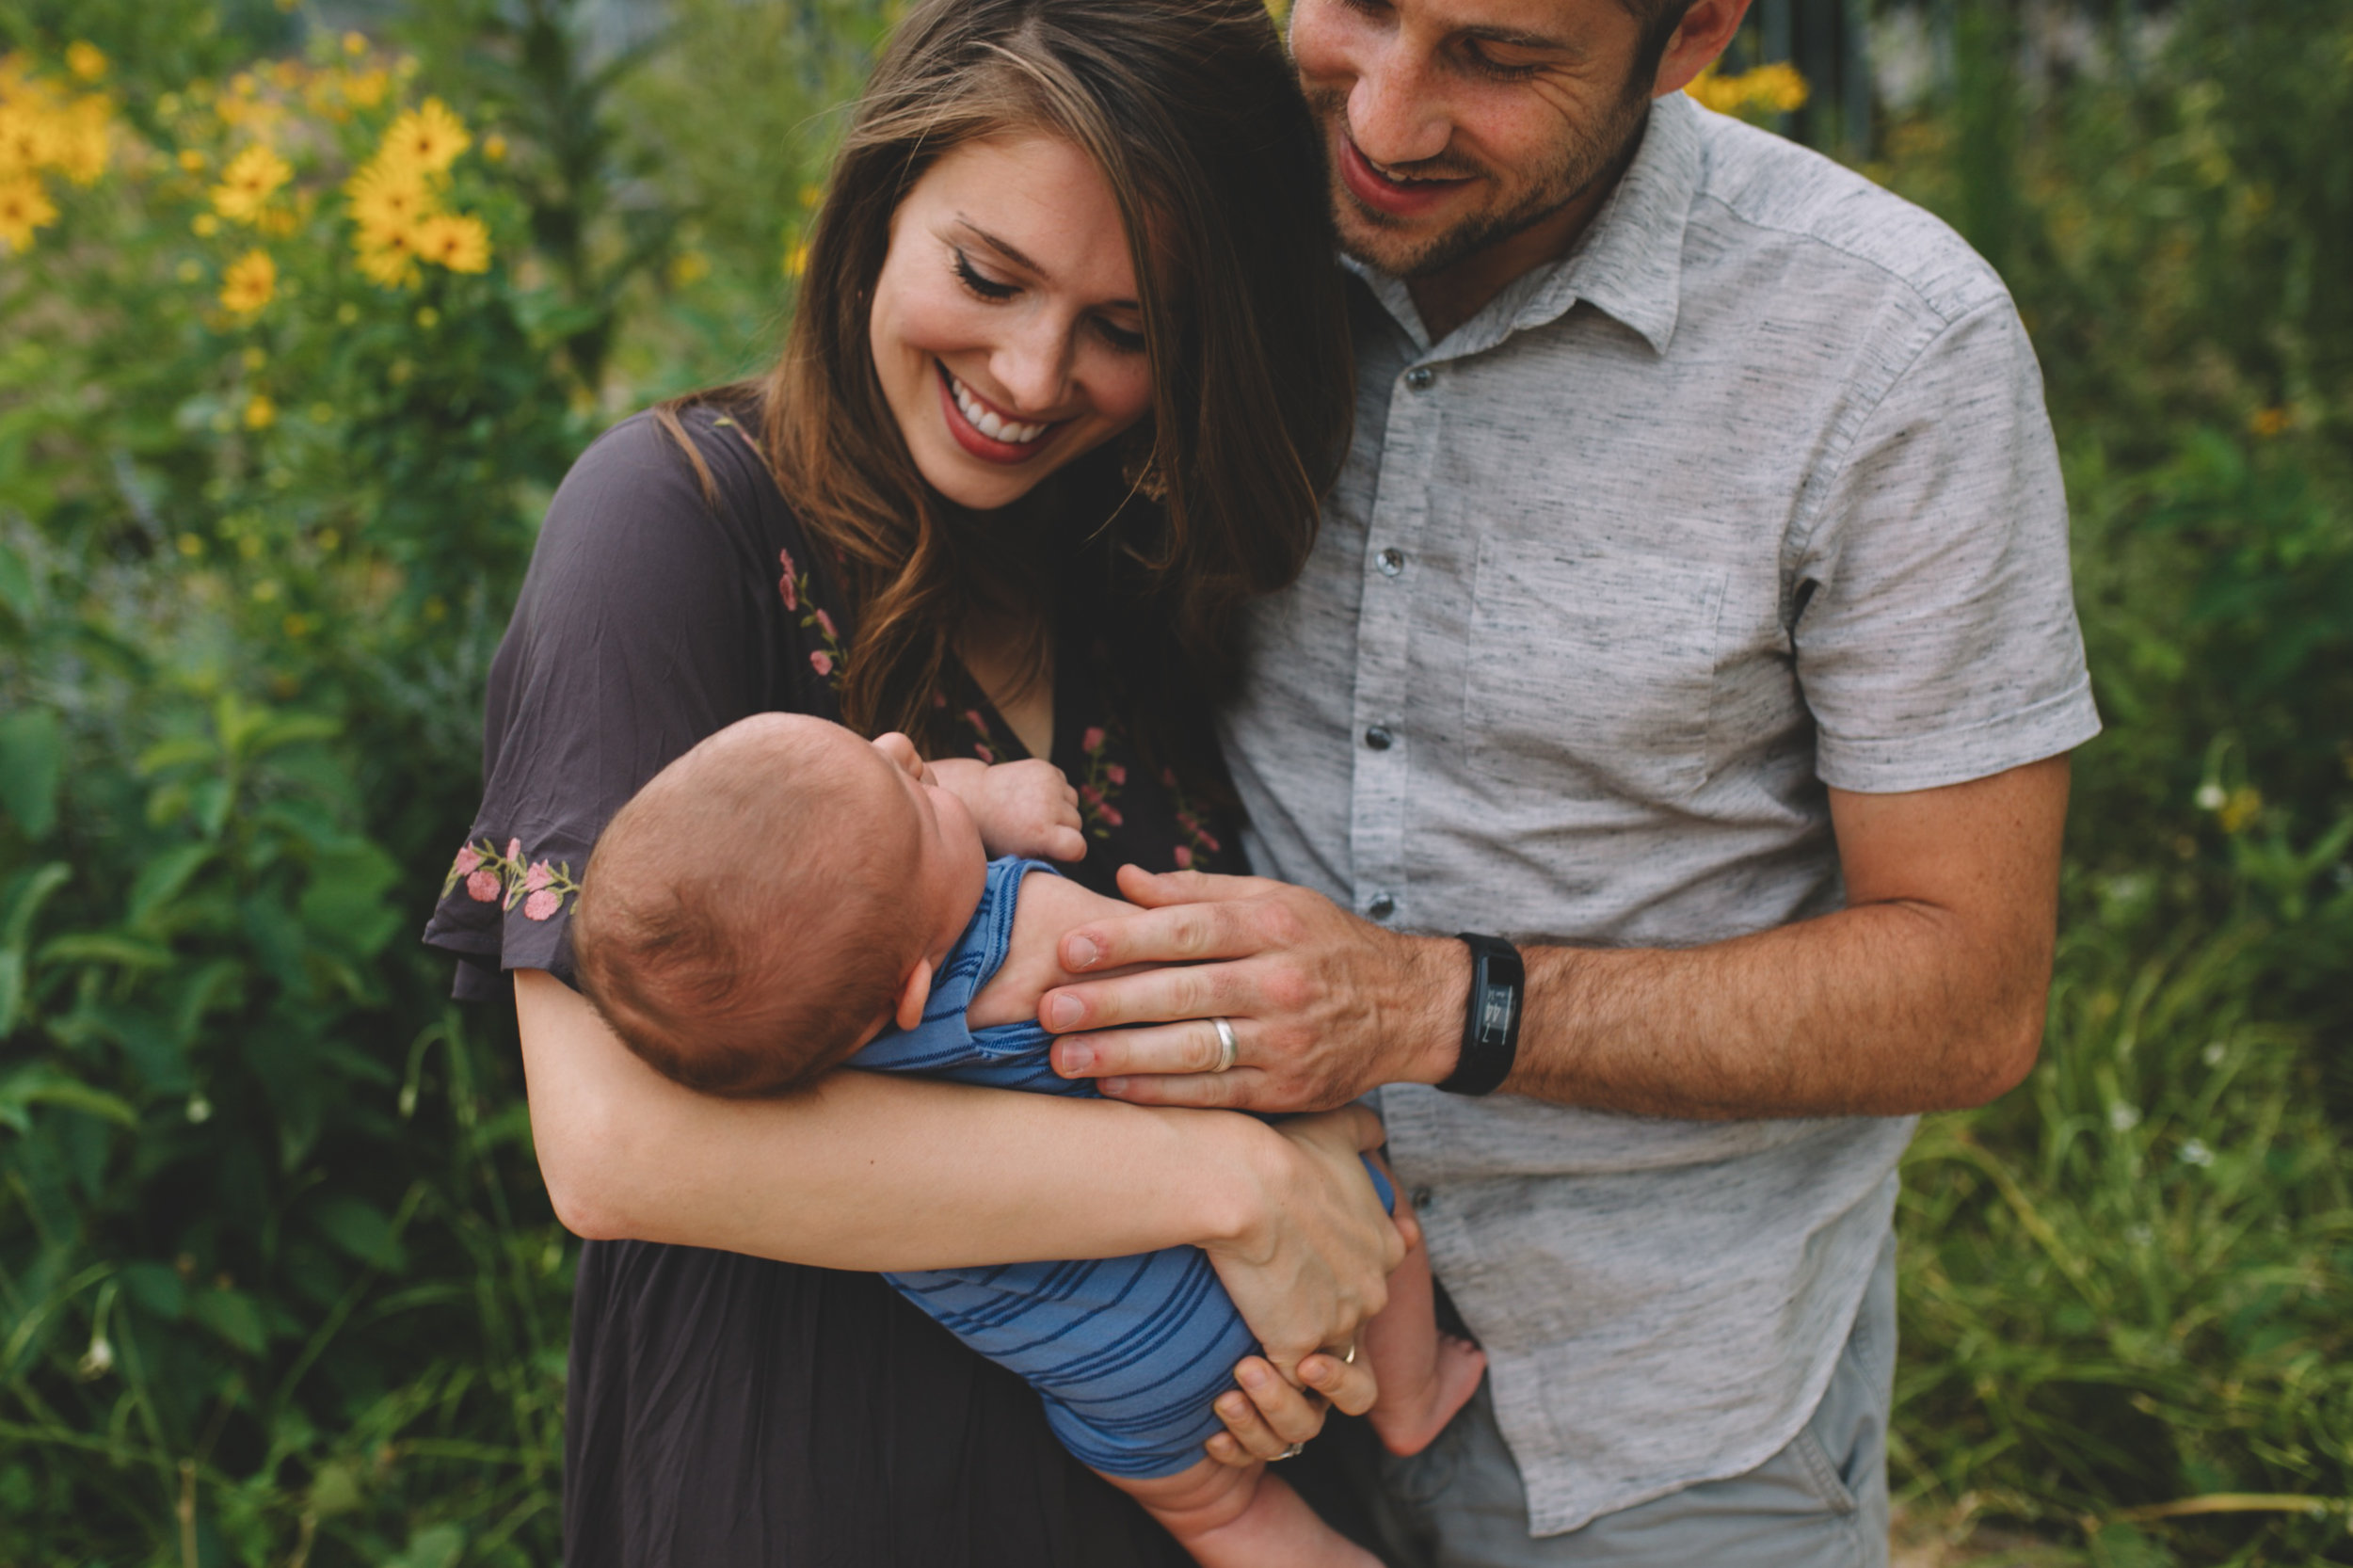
(981,284)
(1119,337)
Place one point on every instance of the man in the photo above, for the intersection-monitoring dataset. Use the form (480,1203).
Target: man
(1693,613)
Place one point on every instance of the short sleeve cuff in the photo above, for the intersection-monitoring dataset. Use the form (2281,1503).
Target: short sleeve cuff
(1876,765)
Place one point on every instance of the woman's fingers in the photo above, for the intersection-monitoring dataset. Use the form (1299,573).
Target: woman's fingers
(1268,1414)
(1347,1385)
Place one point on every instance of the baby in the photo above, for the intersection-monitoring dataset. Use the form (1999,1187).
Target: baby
(787,898)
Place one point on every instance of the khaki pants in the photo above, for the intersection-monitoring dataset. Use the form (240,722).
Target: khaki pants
(1821,1502)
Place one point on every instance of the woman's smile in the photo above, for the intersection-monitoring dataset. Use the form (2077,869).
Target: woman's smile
(985,430)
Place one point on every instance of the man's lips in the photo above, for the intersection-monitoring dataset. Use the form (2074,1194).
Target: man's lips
(1395,198)
(970,437)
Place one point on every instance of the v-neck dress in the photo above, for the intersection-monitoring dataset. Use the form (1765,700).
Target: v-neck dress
(724,1410)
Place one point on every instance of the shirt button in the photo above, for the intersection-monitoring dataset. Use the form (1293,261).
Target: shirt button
(1391,562)
(1422,1197)
(1379,738)
(1382,907)
(1419,377)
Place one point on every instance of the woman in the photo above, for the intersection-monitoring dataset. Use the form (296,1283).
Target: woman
(1065,377)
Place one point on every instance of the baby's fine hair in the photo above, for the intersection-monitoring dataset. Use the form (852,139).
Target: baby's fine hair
(738,923)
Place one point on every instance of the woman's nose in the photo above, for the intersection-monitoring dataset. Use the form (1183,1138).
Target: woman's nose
(1033,366)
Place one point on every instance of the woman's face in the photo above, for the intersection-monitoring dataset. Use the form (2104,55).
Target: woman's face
(1005,329)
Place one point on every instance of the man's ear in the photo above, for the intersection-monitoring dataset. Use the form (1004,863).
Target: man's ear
(1706,32)
(913,995)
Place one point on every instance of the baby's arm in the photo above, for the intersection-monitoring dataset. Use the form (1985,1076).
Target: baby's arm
(1027,809)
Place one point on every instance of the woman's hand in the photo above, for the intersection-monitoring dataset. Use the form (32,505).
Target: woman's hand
(1311,1266)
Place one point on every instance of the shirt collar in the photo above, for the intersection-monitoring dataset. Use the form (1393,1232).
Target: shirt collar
(1628,265)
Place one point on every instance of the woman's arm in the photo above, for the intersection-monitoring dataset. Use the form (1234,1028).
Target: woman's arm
(884,1173)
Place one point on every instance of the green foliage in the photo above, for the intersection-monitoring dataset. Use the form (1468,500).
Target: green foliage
(2127,1287)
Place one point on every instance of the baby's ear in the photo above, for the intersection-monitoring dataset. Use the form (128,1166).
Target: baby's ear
(913,995)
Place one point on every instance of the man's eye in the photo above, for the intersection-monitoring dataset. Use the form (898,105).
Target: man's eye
(980,284)
(1506,69)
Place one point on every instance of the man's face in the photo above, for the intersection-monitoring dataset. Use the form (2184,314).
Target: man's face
(1452,124)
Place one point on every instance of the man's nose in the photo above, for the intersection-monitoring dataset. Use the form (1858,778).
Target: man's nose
(1396,111)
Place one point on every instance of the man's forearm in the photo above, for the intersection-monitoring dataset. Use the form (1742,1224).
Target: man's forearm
(1886,1009)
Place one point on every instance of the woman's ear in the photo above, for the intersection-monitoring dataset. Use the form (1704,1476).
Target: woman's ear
(913,995)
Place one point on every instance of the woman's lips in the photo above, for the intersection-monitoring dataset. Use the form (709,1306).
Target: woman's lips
(990,448)
(1395,198)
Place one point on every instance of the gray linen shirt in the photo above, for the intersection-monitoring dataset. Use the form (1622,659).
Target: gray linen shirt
(1751,495)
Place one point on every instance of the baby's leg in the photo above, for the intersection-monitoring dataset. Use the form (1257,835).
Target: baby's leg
(1425,1376)
(1241,1518)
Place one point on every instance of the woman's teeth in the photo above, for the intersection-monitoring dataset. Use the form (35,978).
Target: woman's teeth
(986,421)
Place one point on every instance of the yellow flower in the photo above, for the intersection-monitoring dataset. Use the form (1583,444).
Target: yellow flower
(28,137)
(191,160)
(247,184)
(355,45)
(456,242)
(1769,90)
(494,148)
(365,89)
(428,138)
(388,198)
(260,412)
(24,207)
(389,260)
(81,140)
(796,259)
(250,282)
(85,60)
(204,226)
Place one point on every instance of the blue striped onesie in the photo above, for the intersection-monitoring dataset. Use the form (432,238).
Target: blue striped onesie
(1128,1351)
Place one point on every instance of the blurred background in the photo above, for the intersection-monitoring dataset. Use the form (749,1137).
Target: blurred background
(306,306)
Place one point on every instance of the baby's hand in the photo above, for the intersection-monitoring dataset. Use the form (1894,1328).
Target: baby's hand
(1022,808)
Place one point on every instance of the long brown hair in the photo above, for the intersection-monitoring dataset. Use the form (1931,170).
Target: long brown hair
(1189,109)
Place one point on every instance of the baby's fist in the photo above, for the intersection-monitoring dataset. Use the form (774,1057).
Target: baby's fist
(1028,808)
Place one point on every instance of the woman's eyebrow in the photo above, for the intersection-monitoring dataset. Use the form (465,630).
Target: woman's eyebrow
(1009,251)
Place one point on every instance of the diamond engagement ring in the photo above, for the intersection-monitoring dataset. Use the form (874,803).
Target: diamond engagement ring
(1226,1047)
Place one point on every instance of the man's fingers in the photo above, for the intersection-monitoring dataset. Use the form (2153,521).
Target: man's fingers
(1233,1090)
(1190,1047)
(1181,990)
(1158,889)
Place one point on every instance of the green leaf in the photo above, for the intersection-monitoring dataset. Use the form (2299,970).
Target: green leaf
(163,877)
(434,1546)
(178,752)
(158,1290)
(288,728)
(16,584)
(40,1083)
(211,799)
(100,946)
(359,1228)
(32,763)
(232,1315)
(23,900)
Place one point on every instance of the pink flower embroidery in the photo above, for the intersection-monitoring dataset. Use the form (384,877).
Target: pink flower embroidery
(468,858)
(543,904)
(1184,859)
(1116,774)
(820,662)
(972,717)
(1109,814)
(1092,740)
(784,587)
(1208,842)
(1090,796)
(538,876)
(826,622)
(984,754)
(483,887)
(513,849)
(939,699)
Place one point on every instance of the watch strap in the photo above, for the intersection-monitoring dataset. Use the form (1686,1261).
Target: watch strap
(1490,1020)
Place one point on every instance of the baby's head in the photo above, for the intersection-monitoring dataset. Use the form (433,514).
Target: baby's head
(763,906)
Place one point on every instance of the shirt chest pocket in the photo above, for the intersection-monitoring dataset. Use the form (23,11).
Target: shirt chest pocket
(1591,673)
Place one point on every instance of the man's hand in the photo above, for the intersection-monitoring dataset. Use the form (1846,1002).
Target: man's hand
(1324,1005)
(1027,809)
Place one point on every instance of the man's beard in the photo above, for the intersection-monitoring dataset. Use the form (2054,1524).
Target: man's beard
(1584,159)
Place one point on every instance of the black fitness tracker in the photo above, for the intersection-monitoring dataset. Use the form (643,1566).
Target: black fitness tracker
(1491,1024)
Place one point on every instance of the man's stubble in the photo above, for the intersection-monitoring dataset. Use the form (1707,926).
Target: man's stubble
(1579,162)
